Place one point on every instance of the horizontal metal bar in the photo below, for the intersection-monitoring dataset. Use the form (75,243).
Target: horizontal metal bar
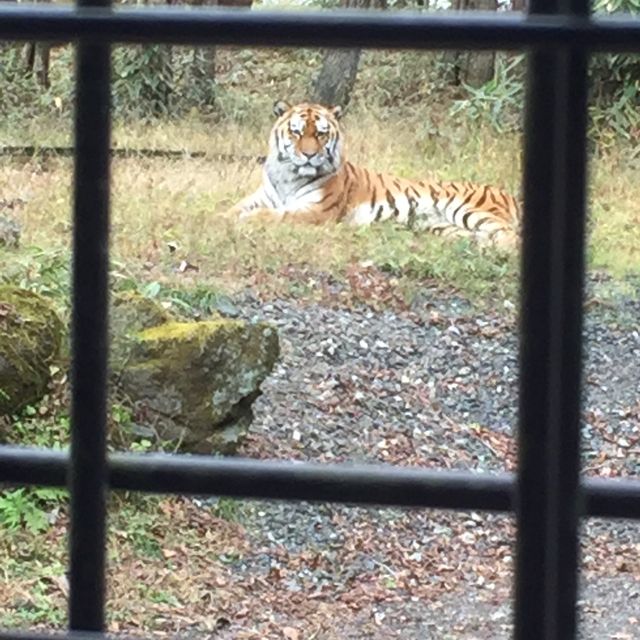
(202,475)
(361,484)
(612,498)
(10,634)
(473,30)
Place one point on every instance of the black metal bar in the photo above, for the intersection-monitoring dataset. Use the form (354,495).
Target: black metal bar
(610,498)
(566,250)
(58,635)
(533,436)
(369,484)
(571,175)
(347,484)
(319,29)
(88,477)
(551,323)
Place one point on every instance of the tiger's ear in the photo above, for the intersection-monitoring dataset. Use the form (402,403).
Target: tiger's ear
(336,111)
(280,107)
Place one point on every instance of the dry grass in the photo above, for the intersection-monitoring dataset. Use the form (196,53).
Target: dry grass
(157,201)
(615,217)
(150,567)
(399,121)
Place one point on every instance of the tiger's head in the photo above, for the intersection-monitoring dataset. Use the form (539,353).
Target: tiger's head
(307,139)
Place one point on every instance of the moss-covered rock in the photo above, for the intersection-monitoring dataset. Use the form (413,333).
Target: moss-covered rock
(195,382)
(30,337)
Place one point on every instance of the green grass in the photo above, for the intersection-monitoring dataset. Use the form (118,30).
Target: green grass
(159,201)
(615,219)
(400,121)
(156,202)
(155,547)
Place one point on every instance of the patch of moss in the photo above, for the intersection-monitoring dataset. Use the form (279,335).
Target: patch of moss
(130,314)
(31,334)
(136,312)
(190,332)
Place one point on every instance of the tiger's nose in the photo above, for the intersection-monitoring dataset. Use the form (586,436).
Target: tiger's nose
(308,154)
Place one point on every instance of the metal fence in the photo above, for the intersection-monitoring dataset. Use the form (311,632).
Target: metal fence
(546,494)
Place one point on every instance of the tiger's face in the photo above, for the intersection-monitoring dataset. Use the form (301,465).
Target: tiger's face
(307,137)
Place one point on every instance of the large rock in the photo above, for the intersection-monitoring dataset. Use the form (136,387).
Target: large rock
(195,382)
(30,337)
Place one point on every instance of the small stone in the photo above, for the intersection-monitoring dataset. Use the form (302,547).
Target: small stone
(10,232)
(468,538)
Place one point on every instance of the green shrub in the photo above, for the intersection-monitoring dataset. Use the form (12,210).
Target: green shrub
(498,101)
(29,508)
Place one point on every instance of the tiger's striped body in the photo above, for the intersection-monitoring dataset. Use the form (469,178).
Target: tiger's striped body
(306,179)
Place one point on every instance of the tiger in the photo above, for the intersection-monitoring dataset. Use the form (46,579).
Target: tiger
(307,179)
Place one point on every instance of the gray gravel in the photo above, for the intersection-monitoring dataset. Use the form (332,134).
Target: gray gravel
(362,386)
(366,367)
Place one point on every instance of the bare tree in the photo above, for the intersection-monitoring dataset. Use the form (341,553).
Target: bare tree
(37,55)
(37,59)
(473,68)
(337,76)
(205,74)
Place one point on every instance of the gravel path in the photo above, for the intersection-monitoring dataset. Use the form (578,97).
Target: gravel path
(433,385)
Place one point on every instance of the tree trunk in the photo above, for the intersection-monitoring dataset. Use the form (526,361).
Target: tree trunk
(480,65)
(334,84)
(204,67)
(36,59)
(473,68)
(336,79)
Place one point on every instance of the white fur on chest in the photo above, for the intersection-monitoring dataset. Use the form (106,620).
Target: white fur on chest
(287,192)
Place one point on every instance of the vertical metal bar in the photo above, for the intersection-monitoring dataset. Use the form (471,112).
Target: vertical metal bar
(89,334)
(533,436)
(551,324)
(562,563)
(571,205)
